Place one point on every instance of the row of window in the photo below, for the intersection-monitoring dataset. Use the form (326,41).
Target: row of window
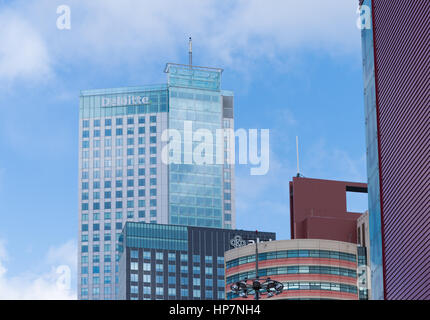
(96,291)
(294,270)
(118,121)
(171,268)
(96,280)
(141,161)
(119,204)
(119,215)
(171,256)
(118,132)
(172,292)
(171,280)
(119,153)
(294,254)
(129,183)
(119,142)
(108,183)
(96,269)
(118,194)
(96,258)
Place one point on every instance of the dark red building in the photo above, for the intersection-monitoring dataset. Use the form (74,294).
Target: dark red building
(319,211)
(396,60)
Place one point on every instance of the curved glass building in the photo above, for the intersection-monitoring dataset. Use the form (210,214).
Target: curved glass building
(309,269)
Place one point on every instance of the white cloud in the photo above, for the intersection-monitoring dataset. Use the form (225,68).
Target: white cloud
(23,53)
(53,284)
(131,32)
(322,159)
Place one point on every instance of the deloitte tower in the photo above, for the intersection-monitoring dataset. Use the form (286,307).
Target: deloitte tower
(124,175)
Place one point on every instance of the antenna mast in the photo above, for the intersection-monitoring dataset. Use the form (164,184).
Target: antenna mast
(190,52)
(297,150)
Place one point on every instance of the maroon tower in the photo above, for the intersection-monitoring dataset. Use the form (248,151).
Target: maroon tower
(318,209)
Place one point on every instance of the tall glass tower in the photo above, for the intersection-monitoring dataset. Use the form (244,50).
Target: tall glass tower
(122,174)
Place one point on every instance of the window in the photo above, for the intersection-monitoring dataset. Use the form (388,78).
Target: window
(153,129)
(159,279)
(147,278)
(141,120)
(134,289)
(159,291)
(159,255)
(172,292)
(171,256)
(134,266)
(196,293)
(130,120)
(196,282)
(119,121)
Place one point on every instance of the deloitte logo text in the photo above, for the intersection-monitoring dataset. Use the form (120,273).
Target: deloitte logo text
(124,101)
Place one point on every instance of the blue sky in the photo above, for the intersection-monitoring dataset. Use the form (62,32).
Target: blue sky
(295,68)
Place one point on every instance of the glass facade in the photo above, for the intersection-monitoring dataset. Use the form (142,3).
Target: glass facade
(195,190)
(175,262)
(122,176)
(373,174)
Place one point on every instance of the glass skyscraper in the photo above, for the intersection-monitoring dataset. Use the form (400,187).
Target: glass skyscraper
(122,175)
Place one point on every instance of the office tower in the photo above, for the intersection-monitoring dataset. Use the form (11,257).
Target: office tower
(318,209)
(124,177)
(309,269)
(177,262)
(396,53)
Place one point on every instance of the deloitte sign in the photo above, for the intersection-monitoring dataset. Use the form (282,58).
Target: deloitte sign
(124,101)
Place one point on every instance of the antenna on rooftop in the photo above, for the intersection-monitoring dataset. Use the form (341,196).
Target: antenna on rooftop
(297,150)
(190,52)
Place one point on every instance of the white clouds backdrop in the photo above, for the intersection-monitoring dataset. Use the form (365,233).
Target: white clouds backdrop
(43,285)
(135,35)
(122,32)
(23,53)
